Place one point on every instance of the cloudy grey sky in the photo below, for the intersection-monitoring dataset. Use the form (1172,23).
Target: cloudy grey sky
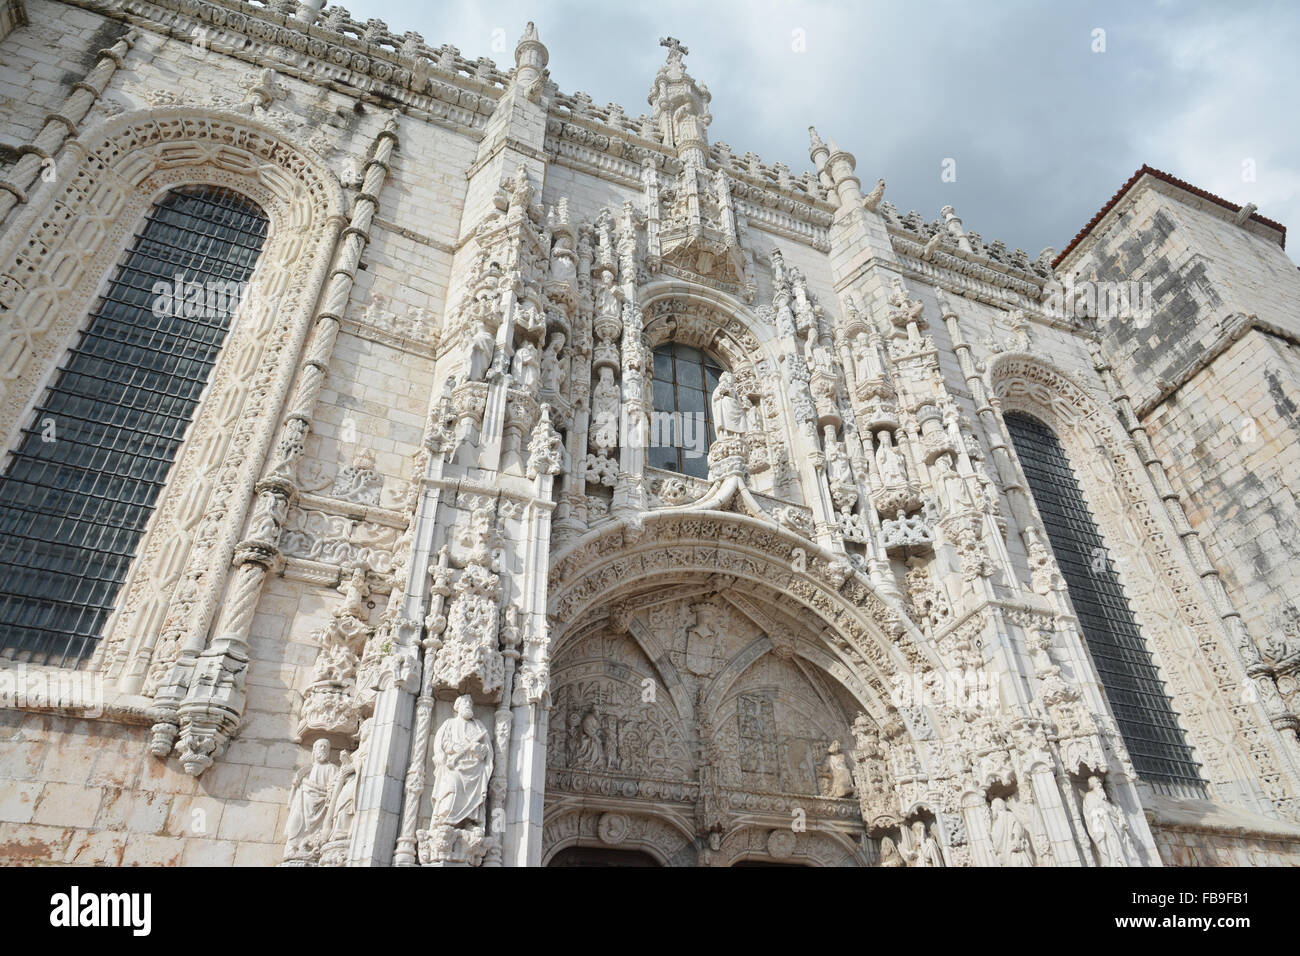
(1043,129)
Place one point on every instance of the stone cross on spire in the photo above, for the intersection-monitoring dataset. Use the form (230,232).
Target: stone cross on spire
(675,49)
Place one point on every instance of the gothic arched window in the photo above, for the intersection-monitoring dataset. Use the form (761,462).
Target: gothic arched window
(83,481)
(1137,696)
(682,429)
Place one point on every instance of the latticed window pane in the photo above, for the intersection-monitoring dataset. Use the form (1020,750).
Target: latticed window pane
(681,373)
(1136,694)
(83,481)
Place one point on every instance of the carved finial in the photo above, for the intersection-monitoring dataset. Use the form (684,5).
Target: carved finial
(531,57)
(814,141)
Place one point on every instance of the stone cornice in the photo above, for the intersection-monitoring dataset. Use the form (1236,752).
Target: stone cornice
(370,63)
(319,56)
(980,269)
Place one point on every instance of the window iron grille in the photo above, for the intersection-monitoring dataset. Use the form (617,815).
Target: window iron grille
(1141,706)
(85,476)
(684,380)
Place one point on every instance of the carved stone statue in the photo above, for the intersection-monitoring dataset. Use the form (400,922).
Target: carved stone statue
(920,848)
(462,761)
(604,410)
(889,463)
(953,485)
(837,462)
(931,852)
(590,754)
(480,356)
(1106,826)
(701,639)
(309,802)
(889,855)
(730,416)
(555,367)
(1010,840)
(840,779)
(607,296)
(343,800)
(526,366)
(815,354)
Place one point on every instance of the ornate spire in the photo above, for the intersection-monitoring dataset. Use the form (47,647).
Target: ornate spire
(681,107)
(815,144)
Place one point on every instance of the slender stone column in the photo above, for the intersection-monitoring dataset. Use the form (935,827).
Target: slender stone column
(531,700)
(40,154)
(434,624)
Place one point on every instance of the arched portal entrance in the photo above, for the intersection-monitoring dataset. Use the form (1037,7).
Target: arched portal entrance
(706,672)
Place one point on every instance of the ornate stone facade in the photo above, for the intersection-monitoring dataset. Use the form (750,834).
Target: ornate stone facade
(413,595)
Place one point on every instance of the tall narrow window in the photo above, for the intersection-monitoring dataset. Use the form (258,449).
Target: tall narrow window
(84,479)
(1137,696)
(682,431)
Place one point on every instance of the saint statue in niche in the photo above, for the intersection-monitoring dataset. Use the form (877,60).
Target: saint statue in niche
(1009,837)
(344,798)
(309,800)
(481,349)
(555,370)
(700,639)
(604,410)
(730,416)
(591,754)
(889,463)
(1106,826)
(462,761)
(839,782)
(526,366)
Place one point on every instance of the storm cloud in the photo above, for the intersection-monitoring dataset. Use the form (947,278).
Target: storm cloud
(1043,116)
